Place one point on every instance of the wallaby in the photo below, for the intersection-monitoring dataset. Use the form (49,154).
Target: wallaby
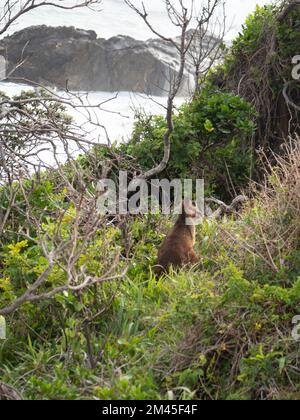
(177,250)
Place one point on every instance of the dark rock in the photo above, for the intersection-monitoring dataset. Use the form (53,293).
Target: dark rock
(66,56)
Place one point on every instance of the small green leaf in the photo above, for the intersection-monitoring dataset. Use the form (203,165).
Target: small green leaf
(209,126)
(282,363)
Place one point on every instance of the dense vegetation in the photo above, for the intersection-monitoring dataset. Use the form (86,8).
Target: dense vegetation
(221,330)
(210,141)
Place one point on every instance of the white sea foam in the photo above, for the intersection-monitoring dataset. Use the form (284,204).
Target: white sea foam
(117,115)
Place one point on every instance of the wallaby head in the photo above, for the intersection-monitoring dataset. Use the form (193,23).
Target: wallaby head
(177,249)
(190,214)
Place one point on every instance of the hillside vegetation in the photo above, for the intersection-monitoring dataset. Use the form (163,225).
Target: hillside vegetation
(219,330)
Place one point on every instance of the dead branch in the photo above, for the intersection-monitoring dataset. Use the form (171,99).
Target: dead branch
(182,17)
(223,208)
(38,139)
(64,253)
(206,42)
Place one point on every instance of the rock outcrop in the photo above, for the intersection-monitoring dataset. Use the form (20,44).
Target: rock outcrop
(66,56)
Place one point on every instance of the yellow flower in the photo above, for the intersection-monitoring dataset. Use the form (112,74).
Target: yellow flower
(258,326)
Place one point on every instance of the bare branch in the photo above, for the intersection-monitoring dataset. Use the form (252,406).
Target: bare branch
(181,17)
(223,208)
(12,10)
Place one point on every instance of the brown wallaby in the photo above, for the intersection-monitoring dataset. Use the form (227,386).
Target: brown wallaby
(177,250)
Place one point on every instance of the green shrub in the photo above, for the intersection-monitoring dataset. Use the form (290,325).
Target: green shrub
(211,140)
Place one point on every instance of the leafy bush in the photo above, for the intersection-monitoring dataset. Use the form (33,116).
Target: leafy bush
(211,140)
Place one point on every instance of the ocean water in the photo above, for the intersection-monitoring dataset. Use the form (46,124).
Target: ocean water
(113,121)
(116,114)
